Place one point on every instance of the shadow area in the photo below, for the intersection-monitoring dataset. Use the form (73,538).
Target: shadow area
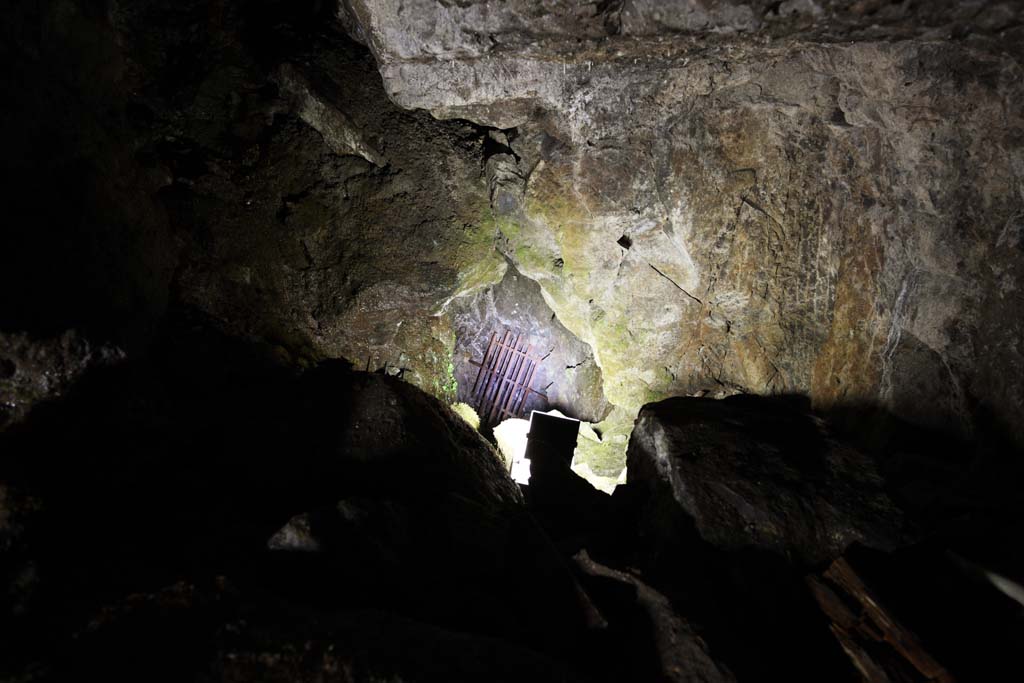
(207,514)
(734,507)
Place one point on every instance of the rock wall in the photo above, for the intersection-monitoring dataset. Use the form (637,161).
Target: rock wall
(801,198)
(809,197)
(240,168)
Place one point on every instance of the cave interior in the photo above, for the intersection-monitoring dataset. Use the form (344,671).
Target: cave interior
(257,256)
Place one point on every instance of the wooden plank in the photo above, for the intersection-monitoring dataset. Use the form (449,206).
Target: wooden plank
(894,633)
(529,380)
(859,620)
(486,369)
(522,384)
(511,376)
(514,380)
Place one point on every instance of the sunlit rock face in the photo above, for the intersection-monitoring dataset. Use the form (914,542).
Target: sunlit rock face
(765,197)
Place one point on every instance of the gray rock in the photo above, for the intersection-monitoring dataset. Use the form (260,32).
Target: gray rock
(296,535)
(759,196)
(759,473)
(37,369)
(337,129)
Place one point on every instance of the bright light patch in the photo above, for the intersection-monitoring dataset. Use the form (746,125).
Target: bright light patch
(511,436)
(467,413)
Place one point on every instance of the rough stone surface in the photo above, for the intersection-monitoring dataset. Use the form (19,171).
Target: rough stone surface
(799,197)
(33,370)
(233,169)
(757,473)
(346,237)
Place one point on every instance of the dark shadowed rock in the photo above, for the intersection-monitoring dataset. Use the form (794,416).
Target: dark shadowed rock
(681,655)
(212,631)
(194,470)
(18,575)
(762,473)
(34,369)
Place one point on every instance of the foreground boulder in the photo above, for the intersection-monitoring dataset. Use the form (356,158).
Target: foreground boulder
(215,631)
(762,473)
(316,494)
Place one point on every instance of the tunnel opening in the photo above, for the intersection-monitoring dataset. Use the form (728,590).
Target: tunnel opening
(509,328)
(565,378)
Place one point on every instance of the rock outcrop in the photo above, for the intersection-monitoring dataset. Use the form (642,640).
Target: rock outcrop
(217,518)
(34,370)
(760,473)
(189,470)
(336,225)
(237,171)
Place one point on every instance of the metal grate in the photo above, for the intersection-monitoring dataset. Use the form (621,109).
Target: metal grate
(503,382)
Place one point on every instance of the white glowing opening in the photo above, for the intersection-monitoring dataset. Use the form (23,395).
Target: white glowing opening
(511,436)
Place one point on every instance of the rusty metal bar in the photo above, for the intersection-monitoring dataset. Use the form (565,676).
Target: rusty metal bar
(489,368)
(503,381)
(529,380)
(507,386)
(494,381)
(487,355)
(517,382)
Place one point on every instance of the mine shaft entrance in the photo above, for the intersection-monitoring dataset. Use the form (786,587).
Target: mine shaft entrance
(503,382)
